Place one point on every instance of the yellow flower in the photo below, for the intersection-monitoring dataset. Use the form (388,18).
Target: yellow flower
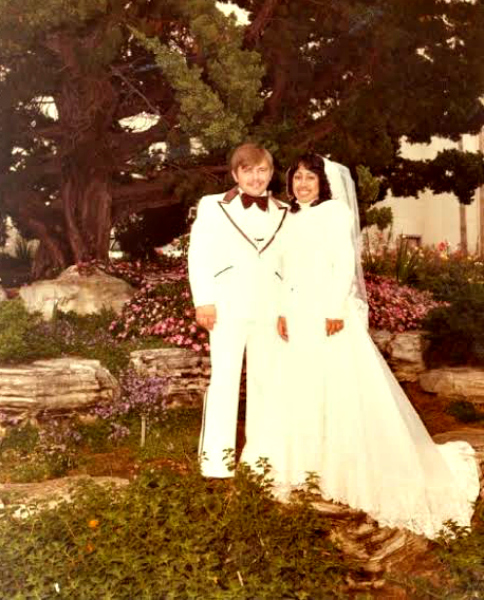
(89,548)
(93,523)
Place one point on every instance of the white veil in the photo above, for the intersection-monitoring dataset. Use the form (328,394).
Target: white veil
(343,189)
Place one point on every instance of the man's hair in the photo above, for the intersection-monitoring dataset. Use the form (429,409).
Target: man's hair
(249,155)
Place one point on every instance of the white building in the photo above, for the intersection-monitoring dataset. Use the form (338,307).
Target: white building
(433,218)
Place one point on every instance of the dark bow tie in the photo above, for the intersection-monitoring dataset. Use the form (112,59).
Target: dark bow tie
(261,201)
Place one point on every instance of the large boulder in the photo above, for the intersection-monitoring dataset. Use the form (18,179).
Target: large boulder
(402,351)
(187,371)
(460,383)
(55,385)
(83,294)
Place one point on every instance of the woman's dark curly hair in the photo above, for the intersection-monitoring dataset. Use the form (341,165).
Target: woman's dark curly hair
(315,164)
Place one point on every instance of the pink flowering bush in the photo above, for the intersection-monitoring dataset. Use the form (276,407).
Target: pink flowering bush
(165,311)
(396,307)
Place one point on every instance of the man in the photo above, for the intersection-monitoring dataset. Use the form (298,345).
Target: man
(233,269)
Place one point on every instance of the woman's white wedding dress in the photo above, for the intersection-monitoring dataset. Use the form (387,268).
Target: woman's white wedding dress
(339,411)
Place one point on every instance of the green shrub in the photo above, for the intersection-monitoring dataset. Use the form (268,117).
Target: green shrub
(172,536)
(464,411)
(29,453)
(22,439)
(456,332)
(447,274)
(21,335)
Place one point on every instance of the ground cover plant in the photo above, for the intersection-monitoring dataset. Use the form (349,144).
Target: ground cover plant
(171,536)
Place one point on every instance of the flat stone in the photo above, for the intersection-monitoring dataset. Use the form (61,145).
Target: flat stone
(56,385)
(29,498)
(455,382)
(188,373)
(402,351)
(83,294)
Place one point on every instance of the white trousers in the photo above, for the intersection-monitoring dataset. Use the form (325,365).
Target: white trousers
(228,340)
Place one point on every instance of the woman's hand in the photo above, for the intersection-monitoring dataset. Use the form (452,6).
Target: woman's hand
(334,325)
(282,328)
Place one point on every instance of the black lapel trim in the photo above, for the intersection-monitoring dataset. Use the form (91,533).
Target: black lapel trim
(275,232)
(221,202)
(230,195)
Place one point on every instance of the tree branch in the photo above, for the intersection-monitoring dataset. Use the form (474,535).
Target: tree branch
(325,126)
(134,198)
(126,145)
(255,30)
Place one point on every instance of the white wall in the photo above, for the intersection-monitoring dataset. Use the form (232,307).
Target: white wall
(434,217)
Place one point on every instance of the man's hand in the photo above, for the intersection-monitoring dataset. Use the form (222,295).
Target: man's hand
(334,325)
(282,328)
(206,316)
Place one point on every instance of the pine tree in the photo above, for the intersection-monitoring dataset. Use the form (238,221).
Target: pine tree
(352,78)
(69,174)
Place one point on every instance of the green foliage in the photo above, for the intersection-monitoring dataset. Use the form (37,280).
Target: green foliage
(463,559)
(368,186)
(29,453)
(456,332)
(381,217)
(22,439)
(174,536)
(401,261)
(23,250)
(407,262)
(446,274)
(20,338)
(217,112)
(464,411)
(25,337)
(175,439)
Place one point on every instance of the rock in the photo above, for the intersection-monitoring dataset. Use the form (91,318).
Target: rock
(79,293)
(376,550)
(28,498)
(465,383)
(3,294)
(402,351)
(188,372)
(55,385)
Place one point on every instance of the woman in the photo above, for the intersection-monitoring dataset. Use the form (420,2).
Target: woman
(342,414)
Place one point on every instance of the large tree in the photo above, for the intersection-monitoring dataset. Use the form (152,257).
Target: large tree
(68,174)
(353,78)
(343,77)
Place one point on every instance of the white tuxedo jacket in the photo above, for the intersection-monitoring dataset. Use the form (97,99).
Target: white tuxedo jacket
(228,267)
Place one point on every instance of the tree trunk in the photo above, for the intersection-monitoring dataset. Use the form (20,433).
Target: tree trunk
(85,106)
(481,202)
(463,218)
(86,202)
